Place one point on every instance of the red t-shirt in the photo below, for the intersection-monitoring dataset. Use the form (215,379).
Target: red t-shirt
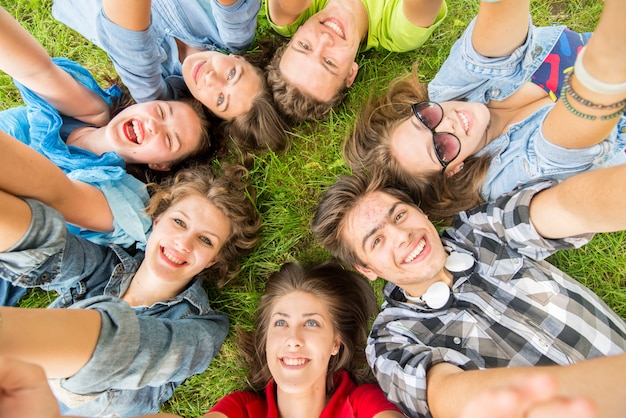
(348,401)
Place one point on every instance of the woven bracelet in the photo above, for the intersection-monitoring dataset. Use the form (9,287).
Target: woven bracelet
(568,87)
(586,116)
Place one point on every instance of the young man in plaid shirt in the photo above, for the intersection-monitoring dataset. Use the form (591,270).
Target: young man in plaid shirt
(467,309)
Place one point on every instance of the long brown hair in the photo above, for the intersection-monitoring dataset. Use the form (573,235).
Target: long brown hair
(350,301)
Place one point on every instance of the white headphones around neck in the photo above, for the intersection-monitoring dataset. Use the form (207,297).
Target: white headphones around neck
(439,295)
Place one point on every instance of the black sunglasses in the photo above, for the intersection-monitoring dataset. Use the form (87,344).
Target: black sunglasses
(447,146)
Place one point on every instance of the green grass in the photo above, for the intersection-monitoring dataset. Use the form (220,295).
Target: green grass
(289,184)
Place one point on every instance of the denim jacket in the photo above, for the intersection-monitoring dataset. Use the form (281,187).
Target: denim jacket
(147,61)
(522,154)
(142,353)
(39,126)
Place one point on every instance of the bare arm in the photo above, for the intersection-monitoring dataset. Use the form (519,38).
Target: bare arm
(285,12)
(605,60)
(421,12)
(24,392)
(129,14)
(389,414)
(593,201)
(26,173)
(501,27)
(599,380)
(24,59)
(60,340)
(532,397)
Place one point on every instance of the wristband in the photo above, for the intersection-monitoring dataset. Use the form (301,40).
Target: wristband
(592,83)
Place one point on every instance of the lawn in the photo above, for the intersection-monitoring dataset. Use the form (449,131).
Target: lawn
(289,184)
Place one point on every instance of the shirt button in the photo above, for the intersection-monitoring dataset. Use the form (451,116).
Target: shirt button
(623,130)
(45,277)
(119,269)
(538,49)
(456,340)
(495,92)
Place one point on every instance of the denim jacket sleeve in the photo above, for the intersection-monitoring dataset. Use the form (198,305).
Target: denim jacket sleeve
(468,75)
(136,350)
(236,23)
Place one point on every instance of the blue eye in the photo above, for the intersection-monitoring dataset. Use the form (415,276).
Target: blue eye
(280,323)
(311,323)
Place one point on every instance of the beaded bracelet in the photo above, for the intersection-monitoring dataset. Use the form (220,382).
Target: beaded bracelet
(593,83)
(575,96)
(586,116)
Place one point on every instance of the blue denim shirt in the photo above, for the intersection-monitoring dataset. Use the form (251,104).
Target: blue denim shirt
(147,61)
(142,353)
(38,126)
(522,154)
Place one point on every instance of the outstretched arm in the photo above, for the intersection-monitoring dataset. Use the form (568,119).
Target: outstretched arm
(24,59)
(285,12)
(599,380)
(589,202)
(60,340)
(26,173)
(421,12)
(24,392)
(501,27)
(575,124)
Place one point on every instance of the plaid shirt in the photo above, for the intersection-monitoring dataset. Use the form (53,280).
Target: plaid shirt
(510,308)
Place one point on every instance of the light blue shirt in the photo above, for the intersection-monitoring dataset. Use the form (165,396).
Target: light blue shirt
(38,125)
(522,154)
(143,353)
(147,61)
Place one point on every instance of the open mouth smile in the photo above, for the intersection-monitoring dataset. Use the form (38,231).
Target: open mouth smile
(294,362)
(133,131)
(335,27)
(172,258)
(417,251)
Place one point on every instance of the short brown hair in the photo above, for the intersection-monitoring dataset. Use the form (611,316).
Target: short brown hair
(230,193)
(337,203)
(291,101)
(350,301)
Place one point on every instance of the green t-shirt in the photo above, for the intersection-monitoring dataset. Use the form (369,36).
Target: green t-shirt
(388,27)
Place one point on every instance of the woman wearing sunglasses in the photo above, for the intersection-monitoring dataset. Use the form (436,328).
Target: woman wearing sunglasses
(512,103)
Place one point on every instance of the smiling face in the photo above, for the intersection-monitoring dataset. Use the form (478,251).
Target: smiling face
(226,84)
(395,241)
(412,142)
(299,343)
(156,133)
(186,239)
(319,59)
